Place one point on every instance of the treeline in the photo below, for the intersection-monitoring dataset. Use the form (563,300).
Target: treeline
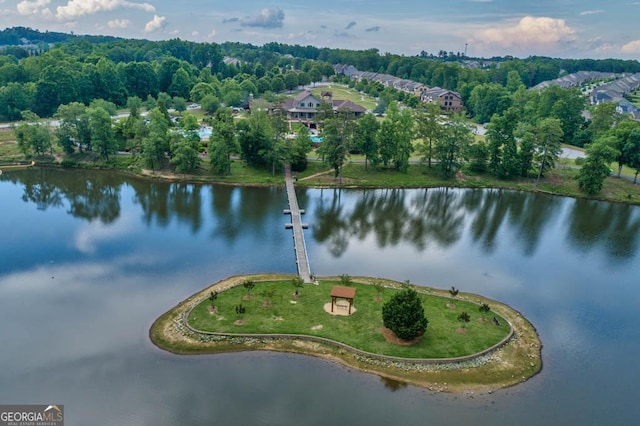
(114,71)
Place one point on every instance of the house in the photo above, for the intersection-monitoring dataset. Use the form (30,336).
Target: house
(448,99)
(304,107)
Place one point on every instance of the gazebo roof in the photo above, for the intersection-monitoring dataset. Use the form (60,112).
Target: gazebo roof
(343,292)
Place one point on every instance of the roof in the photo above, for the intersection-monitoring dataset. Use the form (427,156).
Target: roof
(343,292)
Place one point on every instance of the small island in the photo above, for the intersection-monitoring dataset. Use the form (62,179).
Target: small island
(469,344)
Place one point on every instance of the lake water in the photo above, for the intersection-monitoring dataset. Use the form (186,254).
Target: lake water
(89,260)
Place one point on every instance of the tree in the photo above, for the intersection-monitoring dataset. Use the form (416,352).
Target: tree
(428,129)
(33,136)
(365,138)
(549,137)
(74,127)
(464,318)
(291,80)
(379,287)
(302,145)
(337,136)
(102,135)
(222,142)
(248,286)
(184,150)
(255,138)
(600,154)
(626,133)
(452,146)
(212,297)
(156,144)
(404,315)
(503,149)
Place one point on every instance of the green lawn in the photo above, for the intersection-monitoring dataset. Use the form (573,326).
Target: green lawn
(9,146)
(344,92)
(274,308)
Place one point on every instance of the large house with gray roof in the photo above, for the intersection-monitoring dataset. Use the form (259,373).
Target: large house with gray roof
(304,107)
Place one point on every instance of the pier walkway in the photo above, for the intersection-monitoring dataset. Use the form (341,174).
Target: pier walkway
(302,259)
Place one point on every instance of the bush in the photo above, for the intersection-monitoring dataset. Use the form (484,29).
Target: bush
(404,315)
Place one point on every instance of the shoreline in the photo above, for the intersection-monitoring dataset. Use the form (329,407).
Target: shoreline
(514,362)
(163,176)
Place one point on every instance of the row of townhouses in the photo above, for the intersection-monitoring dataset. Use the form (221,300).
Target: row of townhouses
(615,91)
(448,99)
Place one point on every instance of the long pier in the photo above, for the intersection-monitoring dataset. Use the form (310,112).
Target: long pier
(302,259)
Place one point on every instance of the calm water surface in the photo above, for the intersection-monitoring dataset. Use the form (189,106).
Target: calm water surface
(89,260)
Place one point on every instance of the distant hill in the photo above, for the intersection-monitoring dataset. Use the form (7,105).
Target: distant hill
(18,36)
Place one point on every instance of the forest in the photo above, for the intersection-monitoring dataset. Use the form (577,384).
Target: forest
(83,80)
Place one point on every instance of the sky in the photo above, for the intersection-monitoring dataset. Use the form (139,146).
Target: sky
(485,28)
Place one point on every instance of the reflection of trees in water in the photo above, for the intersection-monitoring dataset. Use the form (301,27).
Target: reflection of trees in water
(90,195)
(615,227)
(238,210)
(527,215)
(431,216)
(186,200)
(437,218)
(331,225)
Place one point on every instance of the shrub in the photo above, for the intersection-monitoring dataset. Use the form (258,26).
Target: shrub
(404,315)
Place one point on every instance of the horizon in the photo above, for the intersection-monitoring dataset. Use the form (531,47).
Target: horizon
(484,28)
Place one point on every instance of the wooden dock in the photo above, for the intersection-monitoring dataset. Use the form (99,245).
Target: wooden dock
(302,259)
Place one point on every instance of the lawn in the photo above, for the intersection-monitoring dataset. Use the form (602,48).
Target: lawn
(9,150)
(344,92)
(274,308)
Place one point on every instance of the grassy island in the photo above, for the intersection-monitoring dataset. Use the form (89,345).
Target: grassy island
(494,349)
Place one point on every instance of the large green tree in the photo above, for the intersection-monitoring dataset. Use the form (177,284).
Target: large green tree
(365,138)
(428,129)
(595,169)
(452,146)
(404,314)
(102,135)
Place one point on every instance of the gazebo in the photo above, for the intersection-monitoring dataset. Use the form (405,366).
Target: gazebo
(342,292)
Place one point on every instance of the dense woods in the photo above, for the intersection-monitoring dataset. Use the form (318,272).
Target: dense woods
(82,81)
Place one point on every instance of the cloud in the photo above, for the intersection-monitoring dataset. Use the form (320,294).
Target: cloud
(227,20)
(155,24)
(119,23)
(268,18)
(212,34)
(78,8)
(373,29)
(529,32)
(350,25)
(632,47)
(31,7)
(591,12)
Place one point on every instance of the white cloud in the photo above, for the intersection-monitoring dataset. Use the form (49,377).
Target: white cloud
(155,24)
(268,18)
(212,34)
(77,8)
(591,12)
(31,7)
(529,32)
(119,23)
(632,47)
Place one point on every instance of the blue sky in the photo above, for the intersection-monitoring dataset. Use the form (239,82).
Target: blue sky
(558,28)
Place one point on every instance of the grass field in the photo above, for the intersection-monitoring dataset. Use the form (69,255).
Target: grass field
(274,308)
(343,92)
(9,147)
